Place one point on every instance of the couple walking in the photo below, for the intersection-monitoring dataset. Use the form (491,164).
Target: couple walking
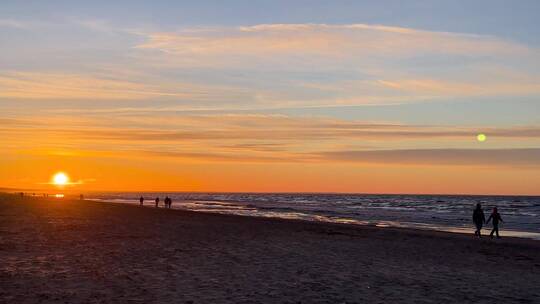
(168,202)
(479,220)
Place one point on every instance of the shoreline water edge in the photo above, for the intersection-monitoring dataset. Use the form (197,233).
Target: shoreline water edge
(427,212)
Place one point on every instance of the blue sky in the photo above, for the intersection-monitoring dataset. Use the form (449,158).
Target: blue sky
(86,39)
(486,17)
(513,20)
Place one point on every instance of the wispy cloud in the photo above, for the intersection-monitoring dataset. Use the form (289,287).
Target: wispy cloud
(30,85)
(71,183)
(249,126)
(267,138)
(13,24)
(443,157)
(442,88)
(385,59)
(351,40)
(269,66)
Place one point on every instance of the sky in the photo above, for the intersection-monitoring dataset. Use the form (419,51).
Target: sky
(271,96)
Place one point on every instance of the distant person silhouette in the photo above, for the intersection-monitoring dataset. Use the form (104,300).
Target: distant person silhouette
(168,202)
(141,200)
(479,219)
(496,217)
(157,201)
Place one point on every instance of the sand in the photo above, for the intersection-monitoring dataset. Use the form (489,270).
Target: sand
(62,251)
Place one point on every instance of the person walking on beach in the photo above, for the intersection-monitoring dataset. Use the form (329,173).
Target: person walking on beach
(168,202)
(479,219)
(157,201)
(496,217)
(141,200)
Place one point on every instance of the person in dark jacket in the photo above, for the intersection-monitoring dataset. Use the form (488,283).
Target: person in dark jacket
(157,202)
(479,219)
(496,217)
(141,200)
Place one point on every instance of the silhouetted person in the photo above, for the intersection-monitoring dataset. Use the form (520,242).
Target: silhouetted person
(479,219)
(157,201)
(81,197)
(496,217)
(170,202)
(141,200)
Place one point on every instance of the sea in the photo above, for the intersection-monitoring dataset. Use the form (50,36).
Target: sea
(521,214)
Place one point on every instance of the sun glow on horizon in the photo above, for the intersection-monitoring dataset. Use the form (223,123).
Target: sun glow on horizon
(60,179)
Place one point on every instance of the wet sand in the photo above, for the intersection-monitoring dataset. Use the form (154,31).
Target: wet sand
(62,251)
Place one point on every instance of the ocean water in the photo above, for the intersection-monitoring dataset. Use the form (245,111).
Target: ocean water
(521,214)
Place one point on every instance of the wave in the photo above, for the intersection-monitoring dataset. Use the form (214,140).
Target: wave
(417,211)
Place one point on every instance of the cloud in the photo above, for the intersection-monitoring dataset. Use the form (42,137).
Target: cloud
(524,158)
(218,156)
(264,66)
(65,86)
(95,25)
(350,40)
(515,158)
(264,132)
(54,86)
(391,64)
(13,24)
(257,138)
(71,183)
(325,39)
(442,88)
(462,157)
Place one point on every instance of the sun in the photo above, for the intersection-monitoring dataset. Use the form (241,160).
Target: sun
(60,179)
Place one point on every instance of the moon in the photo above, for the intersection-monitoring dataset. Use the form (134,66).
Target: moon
(481,137)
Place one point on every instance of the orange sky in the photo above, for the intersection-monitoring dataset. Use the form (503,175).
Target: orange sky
(123,100)
(156,174)
(264,153)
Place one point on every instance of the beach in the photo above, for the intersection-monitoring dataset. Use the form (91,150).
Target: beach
(73,251)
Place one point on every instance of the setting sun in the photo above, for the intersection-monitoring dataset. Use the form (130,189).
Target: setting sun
(60,179)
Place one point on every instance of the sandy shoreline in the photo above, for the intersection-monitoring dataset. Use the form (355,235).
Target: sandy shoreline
(88,252)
